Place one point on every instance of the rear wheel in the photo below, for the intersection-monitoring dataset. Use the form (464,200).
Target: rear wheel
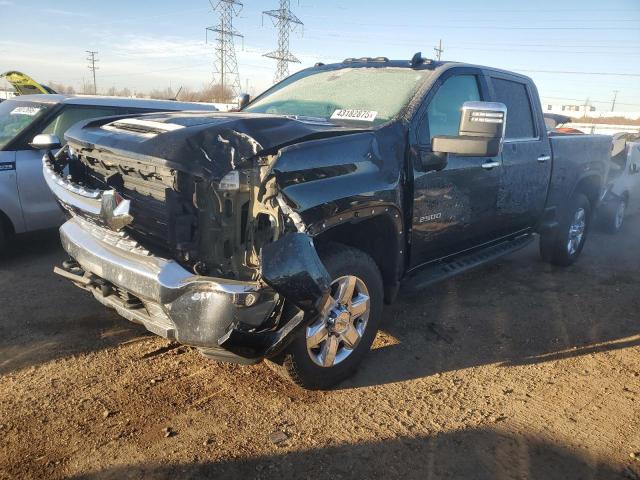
(612,216)
(563,246)
(331,348)
(3,238)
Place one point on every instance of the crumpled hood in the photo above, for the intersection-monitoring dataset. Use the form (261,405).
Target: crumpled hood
(205,144)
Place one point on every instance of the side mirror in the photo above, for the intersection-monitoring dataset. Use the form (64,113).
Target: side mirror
(481,132)
(243,100)
(45,141)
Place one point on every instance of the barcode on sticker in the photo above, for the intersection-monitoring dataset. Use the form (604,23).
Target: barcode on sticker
(30,111)
(349,114)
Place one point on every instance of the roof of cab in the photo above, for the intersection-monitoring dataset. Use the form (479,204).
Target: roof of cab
(424,64)
(91,100)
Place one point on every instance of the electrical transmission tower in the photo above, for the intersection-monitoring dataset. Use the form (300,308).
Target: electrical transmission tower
(286,21)
(92,67)
(225,70)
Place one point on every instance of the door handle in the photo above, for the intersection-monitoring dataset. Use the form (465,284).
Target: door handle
(490,165)
(544,158)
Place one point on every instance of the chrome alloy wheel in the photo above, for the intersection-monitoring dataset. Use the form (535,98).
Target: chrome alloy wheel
(576,231)
(333,337)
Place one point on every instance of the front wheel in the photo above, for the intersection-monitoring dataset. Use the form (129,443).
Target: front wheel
(330,349)
(563,246)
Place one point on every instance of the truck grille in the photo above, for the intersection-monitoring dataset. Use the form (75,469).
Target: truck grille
(163,217)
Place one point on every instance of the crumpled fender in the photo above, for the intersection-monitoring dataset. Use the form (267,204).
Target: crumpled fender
(331,181)
(292,267)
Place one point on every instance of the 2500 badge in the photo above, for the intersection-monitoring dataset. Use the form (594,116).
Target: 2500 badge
(430,218)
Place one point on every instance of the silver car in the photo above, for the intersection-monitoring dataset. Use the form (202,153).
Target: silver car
(623,182)
(31,124)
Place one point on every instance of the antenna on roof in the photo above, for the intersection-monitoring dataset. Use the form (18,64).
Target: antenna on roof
(417,59)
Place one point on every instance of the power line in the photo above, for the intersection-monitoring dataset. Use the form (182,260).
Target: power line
(286,21)
(225,72)
(563,72)
(92,67)
(523,50)
(476,26)
(554,45)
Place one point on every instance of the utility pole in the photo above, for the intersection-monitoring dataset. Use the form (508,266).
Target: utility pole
(585,106)
(439,50)
(92,67)
(285,21)
(225,70)
(615,95)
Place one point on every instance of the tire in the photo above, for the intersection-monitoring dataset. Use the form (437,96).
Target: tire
(300,362)
(612,216)
(555,247)
(4,240)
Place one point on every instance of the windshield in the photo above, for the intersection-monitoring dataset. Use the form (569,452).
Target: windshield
(363,95)
(16,116)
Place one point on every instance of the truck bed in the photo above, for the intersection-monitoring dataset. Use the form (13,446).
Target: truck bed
(576,157)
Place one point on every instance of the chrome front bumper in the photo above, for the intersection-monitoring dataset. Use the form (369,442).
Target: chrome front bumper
(176,304)
(173,302)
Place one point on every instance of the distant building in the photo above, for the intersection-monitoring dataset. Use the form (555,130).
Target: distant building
(580,111)
(571,110)
(6,94)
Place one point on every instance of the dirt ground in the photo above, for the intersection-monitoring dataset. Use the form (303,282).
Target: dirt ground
(516,370)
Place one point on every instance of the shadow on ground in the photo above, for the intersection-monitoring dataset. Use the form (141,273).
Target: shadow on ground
(516,311)
(42,316)
(469,454)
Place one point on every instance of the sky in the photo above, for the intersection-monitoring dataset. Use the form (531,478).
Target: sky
(154,45)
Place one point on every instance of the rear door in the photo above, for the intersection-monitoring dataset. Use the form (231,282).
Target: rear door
(453,209)
(39,208)
(526,155)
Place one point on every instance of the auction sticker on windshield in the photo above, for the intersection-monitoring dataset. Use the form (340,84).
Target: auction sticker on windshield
(359,115)
(29,111)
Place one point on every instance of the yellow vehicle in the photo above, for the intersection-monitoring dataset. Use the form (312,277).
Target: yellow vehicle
(24,84)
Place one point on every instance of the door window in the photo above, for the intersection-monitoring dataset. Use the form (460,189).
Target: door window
(519,115)
(445,108)
(71,115)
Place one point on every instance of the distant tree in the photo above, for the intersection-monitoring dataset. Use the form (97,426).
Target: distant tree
(61,88)
(216,93)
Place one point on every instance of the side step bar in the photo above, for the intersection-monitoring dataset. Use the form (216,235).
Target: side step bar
(436,272)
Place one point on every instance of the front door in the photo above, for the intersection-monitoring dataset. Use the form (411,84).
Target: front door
(526,156)
(39,207)
(453,209)
(9,200)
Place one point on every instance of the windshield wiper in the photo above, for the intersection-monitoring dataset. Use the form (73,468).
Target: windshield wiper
(307,119)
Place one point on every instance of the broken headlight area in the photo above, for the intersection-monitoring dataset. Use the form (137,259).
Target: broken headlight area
(211,227)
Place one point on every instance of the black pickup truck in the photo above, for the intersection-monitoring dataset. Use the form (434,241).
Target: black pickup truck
(280,230)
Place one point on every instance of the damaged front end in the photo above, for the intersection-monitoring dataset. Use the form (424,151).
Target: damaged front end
(208,253)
